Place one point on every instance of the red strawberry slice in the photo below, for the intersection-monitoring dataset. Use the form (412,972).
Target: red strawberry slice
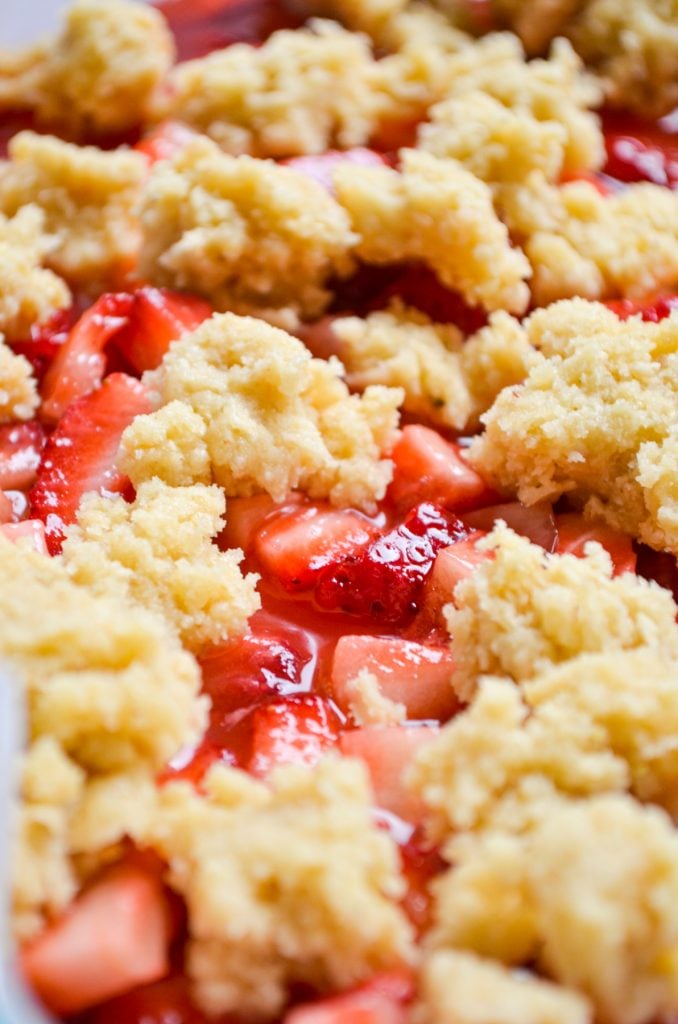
(321,167)
(453,564)
(295,547)
(426,466)
(535,522)
(156,318)
(245,516)
(298,730)
(384,581)
(380,1001)
(45,341)
(420,864)
(80,454)
(416,675)
(165,141)
(115,936)
(79,364)
(387,751)
(31,530)
(418,286)
(6,509)
(574,532)
(21,446)
(652,310)
(165,1002)
(641,150)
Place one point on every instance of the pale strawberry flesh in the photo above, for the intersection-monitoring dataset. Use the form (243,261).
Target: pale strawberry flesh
(21,446)
(298,730)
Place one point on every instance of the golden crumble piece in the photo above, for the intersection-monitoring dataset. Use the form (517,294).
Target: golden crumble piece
(580,242)
(537,22)
(159,550)
(248,234)
(594,419)
(437,212)
(18,392)
(368,705)
(284,883)
(460,988)
(292,95)
(274,418)
(523,610)
(110,694)
(86,196)
(170,444)
(99,75)
(507,117)
(600,878)
(29,294)
(448,381)
(374,17)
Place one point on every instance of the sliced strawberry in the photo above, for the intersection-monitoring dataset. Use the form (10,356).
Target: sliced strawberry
(321,167)
(660,566)
(80,454)
(418,286)
(21,446)
(296,546)
(452,564)
(156,318)
(31,530)
(574,532)
(652,310)
(114,937)
(165,141)
(269,659)
(384,581)
(245,516)
(387,751)
(420,864)
(380,1001)
(6,509)
(46,339)
(165,1002)
(298,730)
(535,522)
(427,467)
(408,673)
(191,765)
(79,364)
(641,150)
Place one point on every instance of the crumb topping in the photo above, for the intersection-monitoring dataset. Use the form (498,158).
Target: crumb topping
(29,294)
(18,392)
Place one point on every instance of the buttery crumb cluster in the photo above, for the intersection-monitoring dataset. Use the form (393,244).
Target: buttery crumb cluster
(552,794)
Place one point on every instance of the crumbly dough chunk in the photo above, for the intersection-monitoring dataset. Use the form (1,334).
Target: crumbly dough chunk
(446,380)
(169,443)
(506,117)
(460,988)
(631,44)
(99,75)
(248,234)
(368,705)
(580,242)
(290,882)
(86,195)
(437,212)
(596,419)
(523,610)
(370,16)
(274,418)
(29,294)
(290,96)
(18,391)
(159,550)
(110,692)
(596,885)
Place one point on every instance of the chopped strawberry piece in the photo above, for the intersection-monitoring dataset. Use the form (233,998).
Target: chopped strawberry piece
(380,1001)
(79,364)
(165,1002)
(574,532)
(80,454)
(418,286)
(416,675)
(31,530)
(245,516)
(165,141)
(6,509)
(431,468)
(45,341)
(641,150)
(115,936)
(298,730)
(156,318)
(420,864)
(387,751)
(652,310)
(270,659)
(384,581)
(192,765)
(452,564)
(295,547)
(321,167)
(21,446)
(660,566)
(535,522)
